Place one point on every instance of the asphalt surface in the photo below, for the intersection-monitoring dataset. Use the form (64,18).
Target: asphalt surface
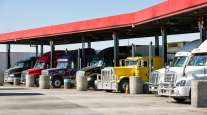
(34,101)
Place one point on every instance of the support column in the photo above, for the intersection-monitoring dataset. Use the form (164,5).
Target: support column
(164,45)
(41,50)
(36,50)
(157,48)
(202,28)
(52,50)
(79,59)
(8,55)
(89,44)
(133,50)
(116,49)
(83,52)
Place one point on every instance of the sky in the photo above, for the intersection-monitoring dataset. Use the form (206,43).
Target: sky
(26,14)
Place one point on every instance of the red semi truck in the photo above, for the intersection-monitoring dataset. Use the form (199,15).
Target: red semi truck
(42,63)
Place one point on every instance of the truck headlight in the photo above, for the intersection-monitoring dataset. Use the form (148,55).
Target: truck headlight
(181,83)
(11,75)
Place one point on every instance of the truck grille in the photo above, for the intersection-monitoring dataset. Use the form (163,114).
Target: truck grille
(6,74)
(107,74)
(154,78)
(170,77)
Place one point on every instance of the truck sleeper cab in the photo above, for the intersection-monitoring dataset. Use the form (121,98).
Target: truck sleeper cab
(196,68)
(117,78)
(43,62)
(66,67)
(179,62)
(16,70)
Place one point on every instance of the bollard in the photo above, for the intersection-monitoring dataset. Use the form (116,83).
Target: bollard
(44,82)
(199,93)
(81,81)
(16,81)
(29,81)
(1,78)
(67,84)
(135,85)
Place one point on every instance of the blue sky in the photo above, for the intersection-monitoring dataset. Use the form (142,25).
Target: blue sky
(25,14)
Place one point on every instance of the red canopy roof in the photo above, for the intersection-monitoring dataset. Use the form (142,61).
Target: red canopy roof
(162,10)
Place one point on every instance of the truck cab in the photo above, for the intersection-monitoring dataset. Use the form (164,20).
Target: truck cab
(180,60)
(178,82)
(66,68)
(117,78)
(16,70)
(42,63)
(103,59)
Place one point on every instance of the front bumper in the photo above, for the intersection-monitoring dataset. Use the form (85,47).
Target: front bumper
(181,91)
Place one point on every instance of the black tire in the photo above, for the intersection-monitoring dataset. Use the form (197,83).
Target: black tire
(179,100)
(91,83)
(123,86)
(36,81)
(56,82)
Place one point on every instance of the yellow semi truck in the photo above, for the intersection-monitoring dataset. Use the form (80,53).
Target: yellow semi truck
(117,78)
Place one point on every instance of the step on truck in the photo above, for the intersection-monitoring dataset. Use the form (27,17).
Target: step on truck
(67,66)
(15,71)
(42,63)
(180,80)
(180,60)
(117,78)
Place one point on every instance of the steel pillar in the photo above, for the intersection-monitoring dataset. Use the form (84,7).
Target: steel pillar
(83,52)
(79,59)
(164,45)
(202,28)
(52,51)
(89,44)
(133,50)
(41,50)
(36,50)
(8,47)
(157,48)
(116,49)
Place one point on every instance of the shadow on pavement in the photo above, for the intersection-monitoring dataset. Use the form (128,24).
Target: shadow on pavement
(20,94)
(13,89)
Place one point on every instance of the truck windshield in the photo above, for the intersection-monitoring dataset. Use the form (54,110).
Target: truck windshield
(198,60)
(39,65)
(19,64)
(62,64)
(96,63)
(179,61)
(131,62)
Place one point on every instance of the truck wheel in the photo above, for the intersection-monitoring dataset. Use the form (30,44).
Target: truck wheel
(56,82)
(179,100)
(124,86)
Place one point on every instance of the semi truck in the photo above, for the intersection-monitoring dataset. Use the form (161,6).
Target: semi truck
(66,68)
(117,78)
(16,70)
(180,60)
(42,63)
(180,80)
(102,59)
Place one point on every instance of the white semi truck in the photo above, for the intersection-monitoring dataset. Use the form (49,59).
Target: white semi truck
(196,69)
(157,83)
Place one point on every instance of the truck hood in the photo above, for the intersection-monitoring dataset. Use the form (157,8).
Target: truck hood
(35,71)
(53,71)
(89,68)
(14,70)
